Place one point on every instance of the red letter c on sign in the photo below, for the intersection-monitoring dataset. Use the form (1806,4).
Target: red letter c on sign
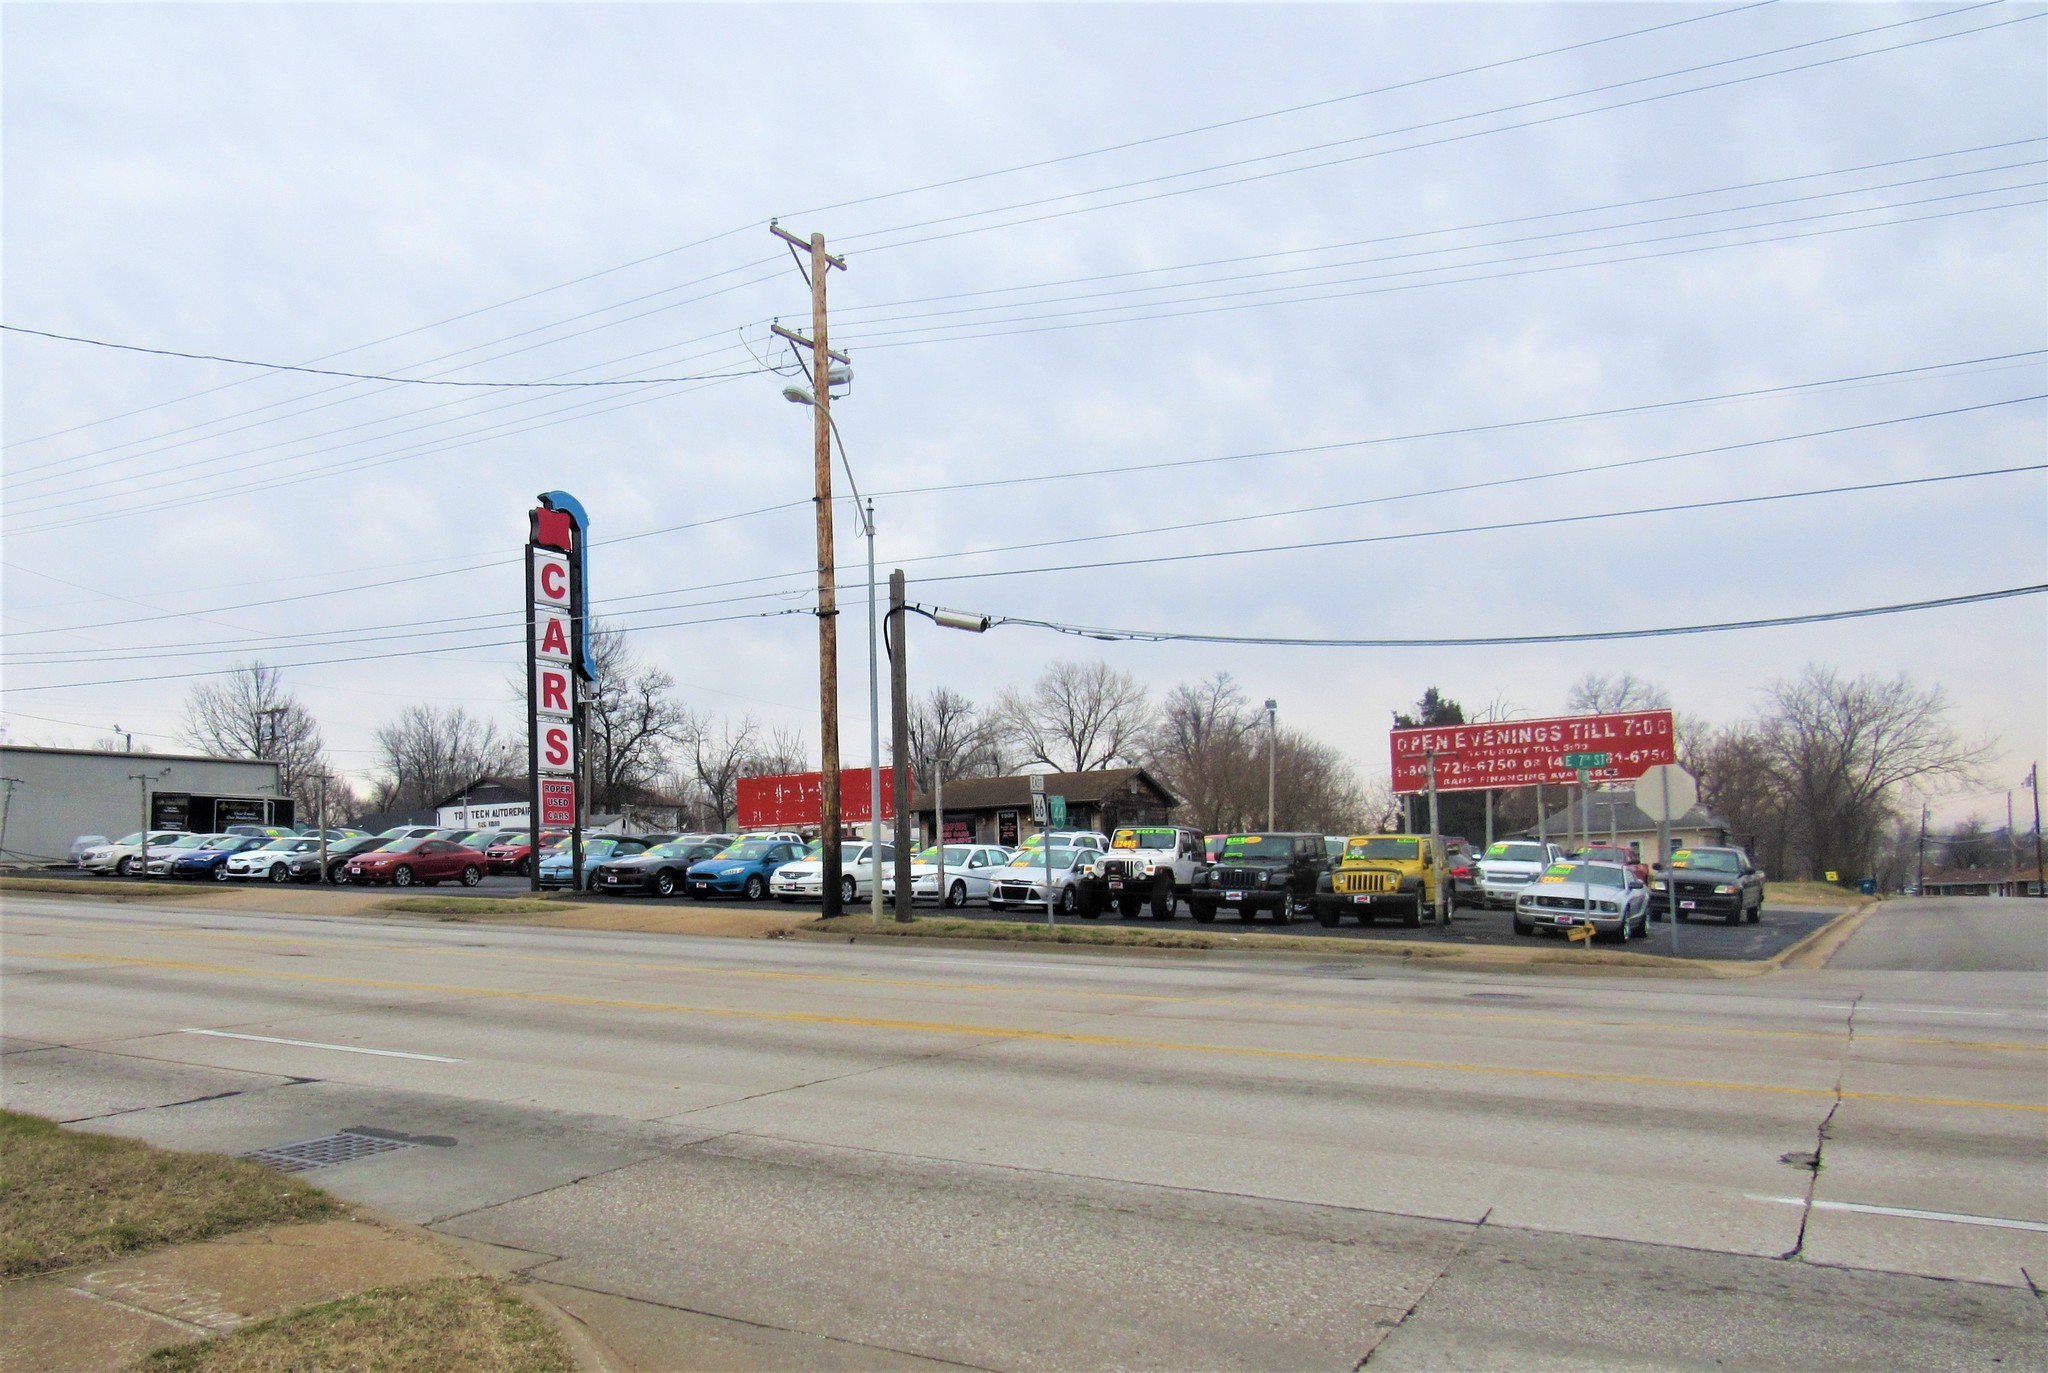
(554,581)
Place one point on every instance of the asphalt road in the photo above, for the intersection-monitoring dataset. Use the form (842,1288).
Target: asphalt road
(1781,927)
(775,1154)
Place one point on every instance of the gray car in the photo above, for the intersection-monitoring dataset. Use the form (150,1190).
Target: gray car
(1606,896)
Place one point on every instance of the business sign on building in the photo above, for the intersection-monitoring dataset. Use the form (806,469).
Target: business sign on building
(1521,753)
(794,798)
(559,666)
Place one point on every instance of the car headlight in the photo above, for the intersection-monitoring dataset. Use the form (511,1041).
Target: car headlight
(1657,885)
(1609,907)
(1725,890)
(1262,879)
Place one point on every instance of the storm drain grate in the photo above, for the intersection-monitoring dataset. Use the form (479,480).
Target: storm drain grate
(325,1152)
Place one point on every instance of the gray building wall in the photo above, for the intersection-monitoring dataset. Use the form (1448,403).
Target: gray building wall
(66,792)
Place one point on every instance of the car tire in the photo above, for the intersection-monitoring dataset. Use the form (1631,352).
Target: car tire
(280,873)
(127,866)
(1070,906)
(1162,899)
(1127,907)
(471,876)
(1202,911)
(1756,917)
(1621,936)
(956,896)
(756,887)
(401,877)
(1283,914)
(849,891)
(1412,917)
(664,883)
(220,873)
(1327,917)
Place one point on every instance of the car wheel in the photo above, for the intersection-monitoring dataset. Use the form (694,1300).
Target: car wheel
(1621,936)
(471,876)
(1069,907)
(956,896)
(664,883)
(1283,914)
(1162,899)
(1756,916)
(525,867)
(127,866)
(1202,911)
(280,873)
(756,887)
(1327,916)
(220,874)
(1412,917)
(849,891)
(401,877)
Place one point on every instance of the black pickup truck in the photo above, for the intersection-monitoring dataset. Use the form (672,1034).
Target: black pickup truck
(1709,881)
(1276,873)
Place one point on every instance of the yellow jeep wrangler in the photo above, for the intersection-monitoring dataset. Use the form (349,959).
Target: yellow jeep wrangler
(1384,874)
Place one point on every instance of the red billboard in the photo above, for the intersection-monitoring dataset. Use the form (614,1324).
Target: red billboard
(1520,753)
(792,799)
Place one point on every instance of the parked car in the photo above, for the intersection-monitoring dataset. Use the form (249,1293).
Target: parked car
(124,855)
(1606,896)
(271,862)
(404,862)
(411,832)
(514,851)
(159,857)
(210,860)
(1021,882)
(1383,874)
(1075,839)
(795,837)
(306,866)
(1147,864)
(803,879)
(660,869)
(557,866)
(83,844)
(1712,881)
(1625,855)
(743,868)
(261,831)
(1510,865)
(969,870)
(1277,873)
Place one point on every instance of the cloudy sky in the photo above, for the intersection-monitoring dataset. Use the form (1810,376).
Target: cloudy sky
(1151,308)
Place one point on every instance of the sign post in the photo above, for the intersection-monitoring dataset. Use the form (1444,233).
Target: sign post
(559,665)
(1664,793)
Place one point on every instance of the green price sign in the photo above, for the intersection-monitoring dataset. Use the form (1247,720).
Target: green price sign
(1586,760)
(1058,806)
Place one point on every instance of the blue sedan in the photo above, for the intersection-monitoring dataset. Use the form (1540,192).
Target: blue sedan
(212,859)
(597,848)
(742,870)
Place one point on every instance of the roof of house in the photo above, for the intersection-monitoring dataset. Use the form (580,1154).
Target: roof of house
(486,790)
(1629,818)
(1961,877)
(1080,788)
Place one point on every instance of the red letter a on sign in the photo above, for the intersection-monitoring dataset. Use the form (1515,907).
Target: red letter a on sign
(554,638)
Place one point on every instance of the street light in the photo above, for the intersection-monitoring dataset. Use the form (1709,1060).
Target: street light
(799,395)
(1272,750)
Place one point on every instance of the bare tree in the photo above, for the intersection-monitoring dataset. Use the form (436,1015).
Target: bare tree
(946,725)
(718,760)
(1971,844)
(1598,694)
(1077,717)
(631,722)
(1842,750)
(1205,749)
(784,751)
(1739,784)
(249,714)
(428,753)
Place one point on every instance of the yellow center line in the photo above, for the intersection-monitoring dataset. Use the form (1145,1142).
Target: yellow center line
(1835,1036)
(1012,1033)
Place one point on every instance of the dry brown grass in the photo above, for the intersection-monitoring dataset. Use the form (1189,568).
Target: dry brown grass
(474,1324)
(1809,894)
(105,889)
(67,1197)
(461,907)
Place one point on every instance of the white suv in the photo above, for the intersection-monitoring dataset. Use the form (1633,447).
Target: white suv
(1509,865)
(1148,863)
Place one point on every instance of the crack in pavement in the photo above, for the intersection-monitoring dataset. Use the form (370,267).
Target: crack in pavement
(1464,1248)
(1820,1143)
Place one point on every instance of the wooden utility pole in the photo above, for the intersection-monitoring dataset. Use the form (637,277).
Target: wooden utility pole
(822,358)
(899,741)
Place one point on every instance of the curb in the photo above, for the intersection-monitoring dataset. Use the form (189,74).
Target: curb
(1823,944)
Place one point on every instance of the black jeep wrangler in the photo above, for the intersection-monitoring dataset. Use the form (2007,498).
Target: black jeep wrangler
(1262,872)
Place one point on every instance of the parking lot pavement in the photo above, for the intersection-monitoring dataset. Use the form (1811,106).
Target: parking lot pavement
(1781,927)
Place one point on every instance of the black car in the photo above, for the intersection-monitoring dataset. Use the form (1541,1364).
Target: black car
(1709,881)
(658,870)
(306,866)
(1276,873)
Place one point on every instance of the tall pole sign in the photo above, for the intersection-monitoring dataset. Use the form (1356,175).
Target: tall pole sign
(560,671)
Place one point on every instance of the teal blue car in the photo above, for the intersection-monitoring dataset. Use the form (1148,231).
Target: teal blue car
(742,870)
(597,848)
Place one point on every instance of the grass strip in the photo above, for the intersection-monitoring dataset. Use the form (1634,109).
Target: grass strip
(1019,932)
(67,1197)
(1810,894)
(467,905)
(475,1324)
(106,889)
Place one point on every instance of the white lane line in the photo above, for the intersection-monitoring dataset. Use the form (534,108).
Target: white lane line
(1907,1213)
(311,1044)
(1945,1010)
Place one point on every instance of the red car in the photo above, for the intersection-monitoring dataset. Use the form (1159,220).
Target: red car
(1607,853)
(425,861)
(514,853)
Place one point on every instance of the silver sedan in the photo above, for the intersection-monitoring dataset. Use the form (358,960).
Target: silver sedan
(1606,896)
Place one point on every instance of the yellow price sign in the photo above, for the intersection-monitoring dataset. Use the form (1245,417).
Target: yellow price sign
(1834,877)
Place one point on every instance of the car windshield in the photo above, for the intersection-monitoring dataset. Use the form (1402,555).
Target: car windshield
(404,846)
(956,855)
(1517,853)
(1058,858)
(281,845)
(671,850)
(1592,874)
(1706,860)
(1243,846)
(747,850)
(190,841)
(1399,850)
(1143,839)
(131,839)
(225,841)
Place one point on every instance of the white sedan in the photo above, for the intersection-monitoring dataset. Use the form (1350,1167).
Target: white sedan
(124,856)
(970,868)
(804,880)
(1021,882)
(272,861)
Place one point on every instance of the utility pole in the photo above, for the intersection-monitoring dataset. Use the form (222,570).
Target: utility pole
(822,358)
(7,808)
(322,812)
(1920,879)
(2034,784)
(1436,881)
(142,781)
(2012,843)
(1272,754)
(899,742)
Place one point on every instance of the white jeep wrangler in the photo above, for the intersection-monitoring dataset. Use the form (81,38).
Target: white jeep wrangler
(1153,864)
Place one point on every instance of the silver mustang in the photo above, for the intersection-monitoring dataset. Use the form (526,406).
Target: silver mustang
(1606,896)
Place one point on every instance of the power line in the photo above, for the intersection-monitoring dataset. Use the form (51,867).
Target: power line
(1504,641)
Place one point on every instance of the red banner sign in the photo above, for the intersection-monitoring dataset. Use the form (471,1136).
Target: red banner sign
(557,801)
(793,799)
(1520,753)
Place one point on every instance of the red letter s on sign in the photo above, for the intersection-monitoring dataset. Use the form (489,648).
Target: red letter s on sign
(554,746)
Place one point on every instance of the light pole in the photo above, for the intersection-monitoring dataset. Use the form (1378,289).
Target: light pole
(1272,752)
(7,808)
(798,395)
(899,724)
